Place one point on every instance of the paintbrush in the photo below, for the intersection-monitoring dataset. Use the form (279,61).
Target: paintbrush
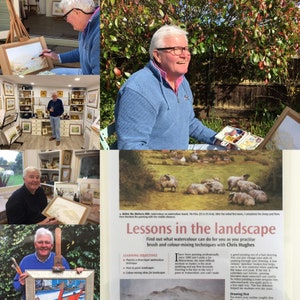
(16,266)
(42,54)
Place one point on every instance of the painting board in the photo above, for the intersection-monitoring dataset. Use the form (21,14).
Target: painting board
(92,98)
(285,132)
(55,278)
(29,62)
(67,211)
(67,190)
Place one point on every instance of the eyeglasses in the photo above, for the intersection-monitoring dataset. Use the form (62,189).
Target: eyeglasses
(175,50)
(65,16)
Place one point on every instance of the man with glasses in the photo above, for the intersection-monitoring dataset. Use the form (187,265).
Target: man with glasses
(154,109)
(84,16)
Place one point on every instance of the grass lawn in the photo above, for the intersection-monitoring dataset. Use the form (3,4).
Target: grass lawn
(259,164)
(15,180)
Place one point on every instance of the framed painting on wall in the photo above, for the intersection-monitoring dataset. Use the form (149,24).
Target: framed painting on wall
(285,132)
(67,157)
(92,98)
(56,10)
(65,174)
(9,103)
(30,62)
(8,88)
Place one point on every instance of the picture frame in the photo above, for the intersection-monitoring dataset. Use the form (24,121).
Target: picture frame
(65,174)
(44,178)
(75,129)
(43,94)
(8,88)
(56,10)
(9,119)
(39,109)
(10,103)
(89,117)
(67,157)
(47,189)
(67,190)
(85,280)
(44,131)
(26,127)
(92,98)
(30,62)
(285,132)
(60,94)
(55,177)
(67,211)
(11,134)
(96,124)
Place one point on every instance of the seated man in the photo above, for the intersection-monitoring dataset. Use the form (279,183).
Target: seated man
(26,204)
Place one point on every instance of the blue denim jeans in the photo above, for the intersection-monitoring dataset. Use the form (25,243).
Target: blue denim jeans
(55,126)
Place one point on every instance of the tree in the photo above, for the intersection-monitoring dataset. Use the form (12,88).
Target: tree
(230,40)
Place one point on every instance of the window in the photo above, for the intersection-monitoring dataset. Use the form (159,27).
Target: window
(89,164)
(11,168)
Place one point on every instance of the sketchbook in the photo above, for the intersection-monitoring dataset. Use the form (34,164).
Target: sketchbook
(239,138)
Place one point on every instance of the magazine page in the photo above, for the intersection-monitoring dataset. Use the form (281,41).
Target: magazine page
(176,230)
(291,223)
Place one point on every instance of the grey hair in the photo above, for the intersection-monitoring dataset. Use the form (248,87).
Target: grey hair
(85,5)
(31,169)
(43,231)
(165,31)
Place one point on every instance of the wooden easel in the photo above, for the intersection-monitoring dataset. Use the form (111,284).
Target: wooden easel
(17,31)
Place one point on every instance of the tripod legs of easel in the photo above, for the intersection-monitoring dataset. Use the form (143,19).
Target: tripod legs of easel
(17,31)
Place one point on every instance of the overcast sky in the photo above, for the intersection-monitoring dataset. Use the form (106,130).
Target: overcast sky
(9,155)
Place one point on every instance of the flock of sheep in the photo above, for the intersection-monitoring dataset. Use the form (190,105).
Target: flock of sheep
(241,191)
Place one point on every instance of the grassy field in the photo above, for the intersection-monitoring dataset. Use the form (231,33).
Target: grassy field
(15,180)
(259,164)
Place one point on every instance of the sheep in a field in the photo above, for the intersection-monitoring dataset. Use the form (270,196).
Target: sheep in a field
(241,199)
(233,180)
(197,189)
(214,185)
(259,196)
(246,186)
(210,180)
(168,181)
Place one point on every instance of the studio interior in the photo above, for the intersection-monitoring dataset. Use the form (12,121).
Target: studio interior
(69,178)
(25,121)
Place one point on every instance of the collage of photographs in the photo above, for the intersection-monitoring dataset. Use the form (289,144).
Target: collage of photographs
(189,111)
(50,150)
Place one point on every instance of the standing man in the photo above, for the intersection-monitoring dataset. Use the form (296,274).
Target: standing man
(154,109)
(56,109)
(26,204)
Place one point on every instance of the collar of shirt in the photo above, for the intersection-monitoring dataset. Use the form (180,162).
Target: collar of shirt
(42,261)
(164,76)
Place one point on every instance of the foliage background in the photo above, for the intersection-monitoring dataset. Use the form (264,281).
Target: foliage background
(231,41)
(80,246)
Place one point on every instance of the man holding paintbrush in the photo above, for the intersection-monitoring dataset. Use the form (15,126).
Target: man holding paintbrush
(42,259)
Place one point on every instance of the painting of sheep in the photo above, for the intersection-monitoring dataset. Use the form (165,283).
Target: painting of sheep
(168,181)
(233,180)
(201,184)
(241,199)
